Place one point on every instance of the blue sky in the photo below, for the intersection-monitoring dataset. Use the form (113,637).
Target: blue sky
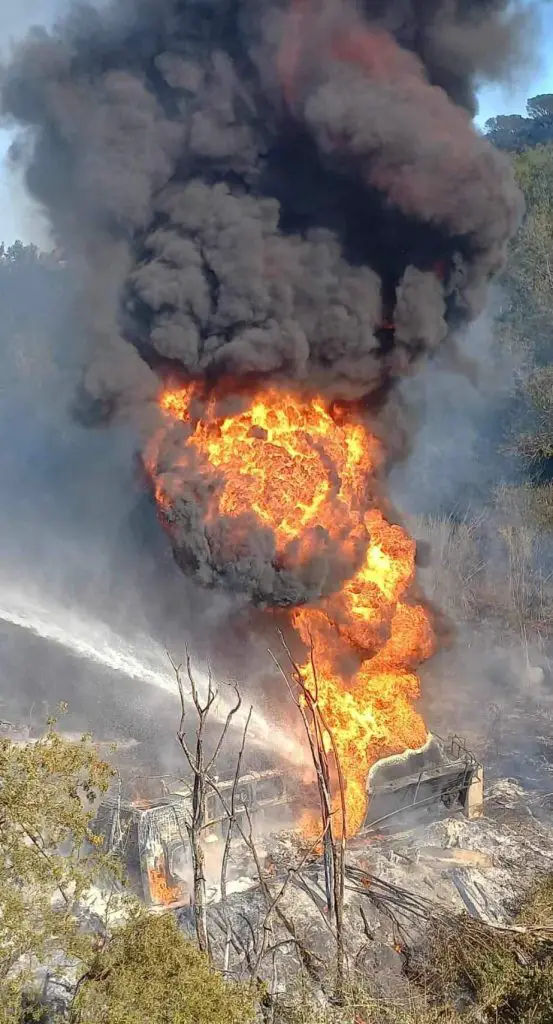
(538,78)
(21,220)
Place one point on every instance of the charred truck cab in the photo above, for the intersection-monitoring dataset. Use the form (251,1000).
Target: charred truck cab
(150,833)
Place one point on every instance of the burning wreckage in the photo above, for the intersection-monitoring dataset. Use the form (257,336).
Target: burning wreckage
(282,209)
(150,833)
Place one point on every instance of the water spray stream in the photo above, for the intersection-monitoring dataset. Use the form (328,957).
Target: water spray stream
(88,638)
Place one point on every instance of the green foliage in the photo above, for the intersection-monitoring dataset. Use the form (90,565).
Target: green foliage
(533,172)
(507,131)
(526,322)
(516,133)
(143,972)
(536,445)
(540,106)
(532,255)
(512,980)
(529,277)
(49,858)
(539,386)
(19,255)
(149,973)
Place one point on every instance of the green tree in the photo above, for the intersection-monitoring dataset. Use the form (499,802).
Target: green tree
(540,106)
(49,857)
(532,253)
(141,972)
(507,131)
(149,973)
(516,133)
(527,320)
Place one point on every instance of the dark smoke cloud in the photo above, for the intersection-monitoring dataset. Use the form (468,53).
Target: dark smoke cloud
(287,190)
(256,188)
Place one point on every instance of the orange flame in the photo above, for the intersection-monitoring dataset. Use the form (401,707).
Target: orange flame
(307,472)
(161,892)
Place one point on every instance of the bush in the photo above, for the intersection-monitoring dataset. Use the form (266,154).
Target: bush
(149,973)
(49,857)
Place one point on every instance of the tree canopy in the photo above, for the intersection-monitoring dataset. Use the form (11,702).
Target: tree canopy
(515,133)
(135,969)
(529,319)
(49,856)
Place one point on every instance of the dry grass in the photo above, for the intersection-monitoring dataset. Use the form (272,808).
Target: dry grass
(536,910)
(502,976)
(492,566)
(359,1009)
(529,503)
(453,580)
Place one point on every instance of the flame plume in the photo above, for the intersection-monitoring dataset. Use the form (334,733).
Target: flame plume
(305,471)
(281,194)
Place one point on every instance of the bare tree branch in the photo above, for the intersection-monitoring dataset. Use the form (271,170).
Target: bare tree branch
(233,711)
(334,849)
(199,767)
(231,818)
(232,809)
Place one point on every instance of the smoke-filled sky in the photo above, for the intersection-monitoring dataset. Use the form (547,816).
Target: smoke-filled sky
(21,218)
(536,78)
(291,193)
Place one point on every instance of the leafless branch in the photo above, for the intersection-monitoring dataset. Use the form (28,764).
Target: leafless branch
(233,711)
(316,728)
(231,818)
(232,809)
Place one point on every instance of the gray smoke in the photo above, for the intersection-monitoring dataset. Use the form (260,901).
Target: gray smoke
(285,191)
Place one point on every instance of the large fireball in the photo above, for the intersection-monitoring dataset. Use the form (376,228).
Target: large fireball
(293,471)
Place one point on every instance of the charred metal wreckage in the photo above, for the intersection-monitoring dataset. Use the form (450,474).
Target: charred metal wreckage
(149,828)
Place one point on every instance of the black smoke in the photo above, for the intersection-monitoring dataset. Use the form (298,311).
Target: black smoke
(275,190)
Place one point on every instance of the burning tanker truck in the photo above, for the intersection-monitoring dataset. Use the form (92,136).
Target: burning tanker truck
(281,209)
(150,831)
